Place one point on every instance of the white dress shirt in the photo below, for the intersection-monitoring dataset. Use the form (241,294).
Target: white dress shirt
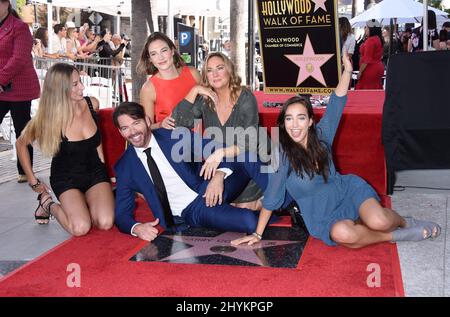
(178,193)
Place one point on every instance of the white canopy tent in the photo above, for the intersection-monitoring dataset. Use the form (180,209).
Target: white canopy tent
(406,11)
(445,4)
(113,7)
(122,8)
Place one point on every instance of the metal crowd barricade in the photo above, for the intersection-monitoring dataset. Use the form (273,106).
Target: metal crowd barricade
(101,80)
(8,133)
(106,83)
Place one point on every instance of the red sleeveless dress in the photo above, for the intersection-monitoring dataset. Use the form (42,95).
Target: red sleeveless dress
(170,92)
(371,53)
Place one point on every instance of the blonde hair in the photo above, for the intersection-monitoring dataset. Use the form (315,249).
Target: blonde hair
(55,112)
(73,40)
(70,32)
(235,80)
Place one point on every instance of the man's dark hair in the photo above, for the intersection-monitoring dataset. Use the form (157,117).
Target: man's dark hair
(57,28)
(431,20)
(443,35)
(132,109)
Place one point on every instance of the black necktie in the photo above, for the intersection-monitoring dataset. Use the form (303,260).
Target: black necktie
(160,188)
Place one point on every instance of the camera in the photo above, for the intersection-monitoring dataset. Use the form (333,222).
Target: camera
(125,37)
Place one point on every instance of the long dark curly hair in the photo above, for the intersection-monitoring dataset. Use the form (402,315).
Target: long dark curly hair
(312,160)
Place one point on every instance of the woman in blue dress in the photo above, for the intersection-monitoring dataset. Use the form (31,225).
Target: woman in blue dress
(337,209)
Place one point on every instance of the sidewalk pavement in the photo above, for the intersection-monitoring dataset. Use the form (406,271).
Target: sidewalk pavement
(8,162)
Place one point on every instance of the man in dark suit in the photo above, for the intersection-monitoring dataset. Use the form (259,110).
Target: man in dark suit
(184,198)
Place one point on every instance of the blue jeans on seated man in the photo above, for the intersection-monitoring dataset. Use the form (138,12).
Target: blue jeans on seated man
(225,217)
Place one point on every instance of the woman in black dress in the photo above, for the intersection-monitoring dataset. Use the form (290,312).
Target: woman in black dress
(65,128)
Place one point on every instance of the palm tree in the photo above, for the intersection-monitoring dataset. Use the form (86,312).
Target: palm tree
(18,4)
(238,13)
(141,23)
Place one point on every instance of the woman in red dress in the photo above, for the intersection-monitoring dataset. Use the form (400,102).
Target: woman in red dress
(170,79)
(371,68)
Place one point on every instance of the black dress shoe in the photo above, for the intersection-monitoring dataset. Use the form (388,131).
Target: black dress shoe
(296,216)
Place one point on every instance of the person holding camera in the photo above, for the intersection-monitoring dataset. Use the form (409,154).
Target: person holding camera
(115,43)
(104,48)
(92,40)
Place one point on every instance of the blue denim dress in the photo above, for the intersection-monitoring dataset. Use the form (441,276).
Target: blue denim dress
(322,203)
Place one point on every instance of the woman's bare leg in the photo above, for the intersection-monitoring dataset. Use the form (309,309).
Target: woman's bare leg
(377,225)
(353,235)
(72,213)
(253,205)
(101,205)
(377,218)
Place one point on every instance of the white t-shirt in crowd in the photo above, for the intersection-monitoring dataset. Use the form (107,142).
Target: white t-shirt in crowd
(349,44)
(58,45)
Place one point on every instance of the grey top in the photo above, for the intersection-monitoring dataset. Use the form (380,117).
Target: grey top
(244,115)
(235,131)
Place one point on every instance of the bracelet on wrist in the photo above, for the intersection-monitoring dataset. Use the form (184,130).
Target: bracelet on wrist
(38,183)
(255,234)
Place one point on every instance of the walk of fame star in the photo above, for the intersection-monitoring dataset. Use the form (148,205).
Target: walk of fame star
(320,4)
(282,248)
(309,63)
(221,245)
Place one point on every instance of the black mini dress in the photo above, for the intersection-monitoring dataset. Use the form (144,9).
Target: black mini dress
(77,164)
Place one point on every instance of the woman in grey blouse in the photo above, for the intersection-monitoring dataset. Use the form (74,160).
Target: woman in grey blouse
(229,114)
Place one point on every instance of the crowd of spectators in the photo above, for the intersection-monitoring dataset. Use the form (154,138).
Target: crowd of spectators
(81,44)
(407,40)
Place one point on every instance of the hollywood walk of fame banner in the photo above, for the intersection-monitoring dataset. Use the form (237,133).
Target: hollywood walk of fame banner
(299,42)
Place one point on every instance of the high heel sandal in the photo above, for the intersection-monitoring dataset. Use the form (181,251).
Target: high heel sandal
(417,230)
(430,226)
(46,209)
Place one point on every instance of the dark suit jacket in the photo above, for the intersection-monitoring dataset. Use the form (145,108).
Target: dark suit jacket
(132,176)
(16,64)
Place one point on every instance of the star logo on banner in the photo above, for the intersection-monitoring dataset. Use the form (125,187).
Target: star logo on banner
(319,4)
(309,63)
(220,244)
